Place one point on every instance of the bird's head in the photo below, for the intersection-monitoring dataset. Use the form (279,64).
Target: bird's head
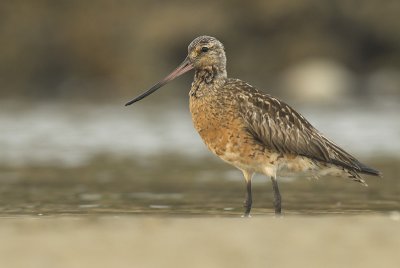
(207,51)
(204,52)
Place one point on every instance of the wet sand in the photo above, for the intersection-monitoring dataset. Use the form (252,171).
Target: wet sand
(141,241)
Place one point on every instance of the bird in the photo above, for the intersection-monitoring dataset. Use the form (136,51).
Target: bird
(254,131)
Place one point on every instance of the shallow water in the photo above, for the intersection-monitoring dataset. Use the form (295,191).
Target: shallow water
(87,160)
(173,185)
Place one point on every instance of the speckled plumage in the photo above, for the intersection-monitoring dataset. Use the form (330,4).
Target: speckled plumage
(247,127)
(252,130)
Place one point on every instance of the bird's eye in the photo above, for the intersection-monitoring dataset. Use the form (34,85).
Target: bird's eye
(204,49)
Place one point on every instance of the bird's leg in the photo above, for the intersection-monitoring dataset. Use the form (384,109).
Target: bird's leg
(249,199)
(277,196)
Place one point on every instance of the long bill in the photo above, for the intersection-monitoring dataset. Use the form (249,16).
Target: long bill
(184,67)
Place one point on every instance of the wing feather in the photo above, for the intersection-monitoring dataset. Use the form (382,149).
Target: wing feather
(280,128)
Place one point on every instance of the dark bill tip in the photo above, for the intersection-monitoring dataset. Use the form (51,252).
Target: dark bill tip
(184,67)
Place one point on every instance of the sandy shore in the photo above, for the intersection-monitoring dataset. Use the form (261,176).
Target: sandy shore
(128,241)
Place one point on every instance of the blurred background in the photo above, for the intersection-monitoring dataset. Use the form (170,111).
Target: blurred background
(68,146)
(113,49)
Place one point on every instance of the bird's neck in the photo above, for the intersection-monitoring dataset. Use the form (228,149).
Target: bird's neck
(208,80)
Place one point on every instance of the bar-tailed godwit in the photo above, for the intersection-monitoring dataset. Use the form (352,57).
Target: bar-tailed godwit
(254,131)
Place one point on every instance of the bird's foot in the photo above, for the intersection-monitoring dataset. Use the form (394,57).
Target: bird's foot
(247,208)
(277,208)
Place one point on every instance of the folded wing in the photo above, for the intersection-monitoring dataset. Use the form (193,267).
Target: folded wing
(280,128)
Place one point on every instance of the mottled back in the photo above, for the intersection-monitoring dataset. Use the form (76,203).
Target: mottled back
(280,128)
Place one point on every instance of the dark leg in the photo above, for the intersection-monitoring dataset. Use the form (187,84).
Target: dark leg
(277,196)
(249,199)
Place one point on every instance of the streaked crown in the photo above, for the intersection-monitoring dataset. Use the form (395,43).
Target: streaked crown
(206,51)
